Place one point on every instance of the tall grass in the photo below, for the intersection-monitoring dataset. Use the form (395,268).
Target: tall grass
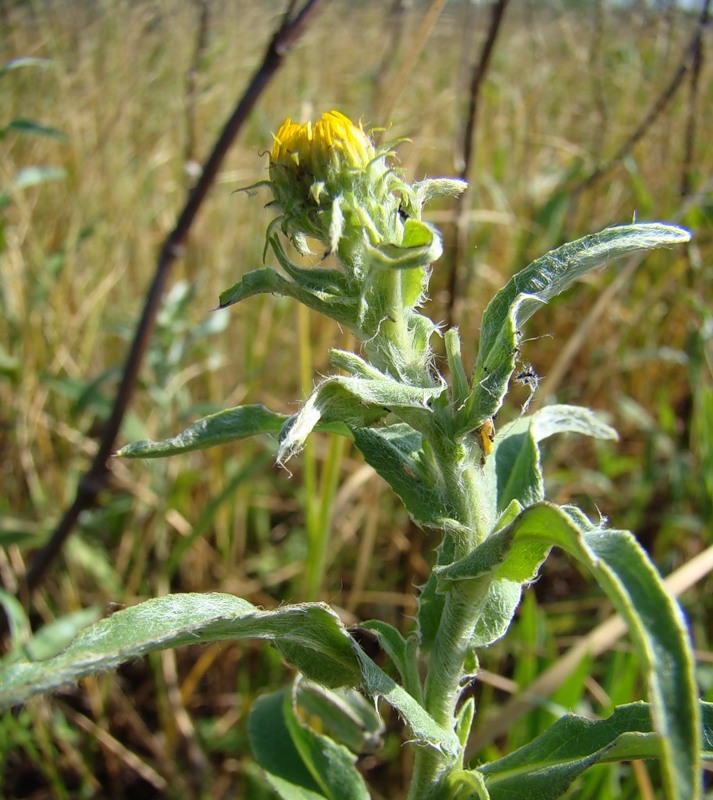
(565,90)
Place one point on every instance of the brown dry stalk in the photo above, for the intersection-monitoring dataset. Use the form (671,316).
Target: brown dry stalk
(480,71)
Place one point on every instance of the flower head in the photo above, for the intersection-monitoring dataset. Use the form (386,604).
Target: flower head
(332,145)
(323,172)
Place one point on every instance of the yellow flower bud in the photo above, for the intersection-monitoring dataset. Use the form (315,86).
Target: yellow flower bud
(320,152)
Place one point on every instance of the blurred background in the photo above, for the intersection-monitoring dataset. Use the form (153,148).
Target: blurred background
(587,114)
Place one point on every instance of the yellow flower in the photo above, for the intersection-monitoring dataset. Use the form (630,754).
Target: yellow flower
(322,150)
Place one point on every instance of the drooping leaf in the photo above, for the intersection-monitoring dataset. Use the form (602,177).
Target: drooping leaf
(546,767)
(623,570)
(268,281)
(312,635)
(322,644)
(226,426)
(353,401)
(534,286)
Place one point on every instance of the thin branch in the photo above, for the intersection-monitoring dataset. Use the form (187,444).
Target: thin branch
(691,122)
(480,72)
(95,479)
(687,62)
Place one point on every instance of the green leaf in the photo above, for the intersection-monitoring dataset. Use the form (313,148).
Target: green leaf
(623,570)
(225,426)
(421,246)
(299,763)
(19,63)
(316,642)
(422,726)
(268,281)
(354,401)
(516,452)
(395,453)
(275,751)
(344,715)
(34,176)
(534,286)
(331,764)
(322,645)
(35,128)
(402,653)
(546,767)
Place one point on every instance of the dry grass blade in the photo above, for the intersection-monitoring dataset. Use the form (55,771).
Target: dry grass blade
(91,484)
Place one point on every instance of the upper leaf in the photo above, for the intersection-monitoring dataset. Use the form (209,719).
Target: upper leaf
(534,286)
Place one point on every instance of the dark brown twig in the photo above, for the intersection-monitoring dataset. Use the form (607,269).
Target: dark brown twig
(687,62)
(192,80)
(291,27)
(691,121)
(480,70)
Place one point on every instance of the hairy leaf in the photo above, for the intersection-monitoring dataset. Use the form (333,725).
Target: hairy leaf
(546,767)
(225,426)
(534,286)
(299,763)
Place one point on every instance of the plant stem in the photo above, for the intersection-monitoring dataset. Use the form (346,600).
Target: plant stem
(451,648)
(470,499)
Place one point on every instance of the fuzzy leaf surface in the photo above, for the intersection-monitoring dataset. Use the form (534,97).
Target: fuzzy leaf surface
(545,768)
(268,281)
(310,634)
(534,286)
(394,452)
(353,401)
(226,426)
(325,648)
(624,571)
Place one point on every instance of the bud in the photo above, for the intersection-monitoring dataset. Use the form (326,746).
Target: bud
(323,173)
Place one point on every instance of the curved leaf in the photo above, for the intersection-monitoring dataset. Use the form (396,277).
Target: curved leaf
(546,767)
(181,619)
(268,281)
(225,426)
(534,286)
(517,456)
(626,574)
(354,401)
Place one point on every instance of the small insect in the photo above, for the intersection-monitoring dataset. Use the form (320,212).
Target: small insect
(528,377)
(486,434)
